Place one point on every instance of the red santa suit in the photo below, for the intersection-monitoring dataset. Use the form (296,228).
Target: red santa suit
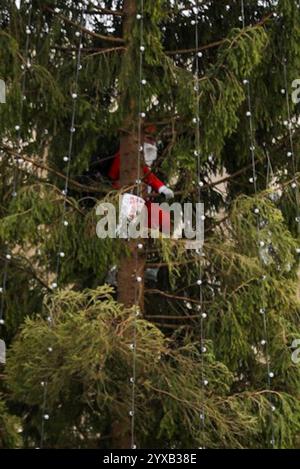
(155,214)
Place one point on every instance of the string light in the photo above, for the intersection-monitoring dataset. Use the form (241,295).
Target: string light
(262,310)
(64,222)
(291,153)
(141,116)
(15,174)
(197,153)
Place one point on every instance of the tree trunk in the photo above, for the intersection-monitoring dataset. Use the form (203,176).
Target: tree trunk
(130,292)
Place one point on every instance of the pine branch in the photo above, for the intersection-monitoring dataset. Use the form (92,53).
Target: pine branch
(85,30)
(104,11)
(93,50)
(173,297)
(216,43)
(75,185)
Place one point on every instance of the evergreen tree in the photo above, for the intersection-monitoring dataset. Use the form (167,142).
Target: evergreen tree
(250,262)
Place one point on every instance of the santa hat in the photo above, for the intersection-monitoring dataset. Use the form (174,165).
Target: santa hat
(150,130)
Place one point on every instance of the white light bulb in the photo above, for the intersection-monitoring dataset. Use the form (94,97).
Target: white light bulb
(140,246)
(66,158)
(77,34)
(8,257)
(199,282)
(74,95)
(50,349)
(144,82)
(282,91)
(62,254)
(142,48)
(72,130)
(66,223)
(204,315)
(205,382)
(46,417)
(289,154)
(200,54)
(17,127)
(248,114)
(271,374)
(263,342)
(139,279)
(138,16)
(2,321)
(245,82)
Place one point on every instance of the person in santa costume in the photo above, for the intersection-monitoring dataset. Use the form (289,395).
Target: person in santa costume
(152,181)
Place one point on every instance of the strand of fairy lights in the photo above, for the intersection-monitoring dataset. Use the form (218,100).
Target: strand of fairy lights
(291,153)
(15,168)
(64,222)
(253,180)
(24,67)
(141,116)
(203,315)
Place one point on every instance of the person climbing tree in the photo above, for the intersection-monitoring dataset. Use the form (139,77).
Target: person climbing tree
(150,152)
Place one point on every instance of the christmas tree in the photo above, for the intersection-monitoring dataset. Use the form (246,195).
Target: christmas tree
(143,343)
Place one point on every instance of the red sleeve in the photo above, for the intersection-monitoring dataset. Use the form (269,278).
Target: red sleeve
(114,171)
(152,180)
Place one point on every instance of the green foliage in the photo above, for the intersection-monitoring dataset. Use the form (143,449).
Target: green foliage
(9,429)
(250,260)
(88,377)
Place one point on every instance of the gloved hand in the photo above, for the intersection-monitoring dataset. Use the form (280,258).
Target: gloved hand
(168,193)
